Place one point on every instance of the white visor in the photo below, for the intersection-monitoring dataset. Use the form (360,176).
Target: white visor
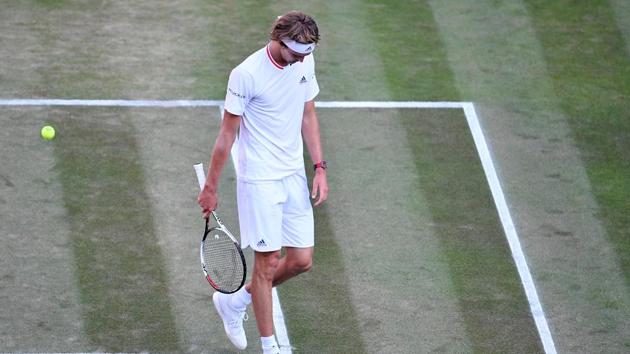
(301,48)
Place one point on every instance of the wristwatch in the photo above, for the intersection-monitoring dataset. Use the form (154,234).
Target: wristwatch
(321,164)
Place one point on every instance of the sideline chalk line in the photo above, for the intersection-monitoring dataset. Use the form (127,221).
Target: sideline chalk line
(510,230)
(480,143)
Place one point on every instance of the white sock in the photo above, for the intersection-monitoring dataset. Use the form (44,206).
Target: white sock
(240,299)
(268,342)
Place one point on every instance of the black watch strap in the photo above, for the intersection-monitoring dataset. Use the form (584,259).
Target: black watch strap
(322,164)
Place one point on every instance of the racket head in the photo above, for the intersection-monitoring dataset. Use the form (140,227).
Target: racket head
(222,261)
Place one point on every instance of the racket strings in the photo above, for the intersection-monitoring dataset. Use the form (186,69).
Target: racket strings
(223,261)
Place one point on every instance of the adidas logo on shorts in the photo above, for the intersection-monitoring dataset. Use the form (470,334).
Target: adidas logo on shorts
(261,243)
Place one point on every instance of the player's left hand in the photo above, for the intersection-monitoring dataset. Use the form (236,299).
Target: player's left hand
(320,186)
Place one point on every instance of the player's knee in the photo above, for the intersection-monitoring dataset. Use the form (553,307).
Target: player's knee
(306,266)
(302,265)
(273,263)
(267,265)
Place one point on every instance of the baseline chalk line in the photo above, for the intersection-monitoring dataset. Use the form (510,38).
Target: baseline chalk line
(219,103)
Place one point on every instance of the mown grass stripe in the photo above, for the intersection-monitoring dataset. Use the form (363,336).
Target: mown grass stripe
(318,305)
(123,286)
(590,70)
(499,64)
(621,10)
(492,306)
(411,50)
(489,291)
(224,41)
(398,276)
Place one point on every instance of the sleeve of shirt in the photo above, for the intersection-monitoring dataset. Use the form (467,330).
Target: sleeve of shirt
(313,88)
(238,93)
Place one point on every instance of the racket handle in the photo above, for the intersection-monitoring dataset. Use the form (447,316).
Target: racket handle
(201,175)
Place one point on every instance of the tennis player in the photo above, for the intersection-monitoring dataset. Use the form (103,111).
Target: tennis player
(269,104)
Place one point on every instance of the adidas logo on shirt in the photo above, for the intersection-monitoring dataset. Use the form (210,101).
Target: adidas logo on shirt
(261,243)
(303,81)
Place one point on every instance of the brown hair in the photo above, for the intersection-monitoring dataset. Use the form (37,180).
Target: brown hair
(297,26)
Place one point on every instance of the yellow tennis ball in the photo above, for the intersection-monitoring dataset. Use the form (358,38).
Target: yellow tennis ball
(48,132)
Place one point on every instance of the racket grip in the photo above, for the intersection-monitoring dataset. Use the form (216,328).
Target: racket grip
(201,175)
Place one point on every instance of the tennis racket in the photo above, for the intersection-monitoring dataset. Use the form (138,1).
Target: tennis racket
(222,260)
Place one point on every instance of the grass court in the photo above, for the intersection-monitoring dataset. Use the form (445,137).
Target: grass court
(100,227)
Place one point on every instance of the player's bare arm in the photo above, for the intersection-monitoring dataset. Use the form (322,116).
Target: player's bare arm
(311,135)
(208,198)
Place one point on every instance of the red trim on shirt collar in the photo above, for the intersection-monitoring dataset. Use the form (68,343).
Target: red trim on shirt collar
(271,58)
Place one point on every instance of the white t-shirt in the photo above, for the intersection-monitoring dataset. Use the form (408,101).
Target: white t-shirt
(270,100)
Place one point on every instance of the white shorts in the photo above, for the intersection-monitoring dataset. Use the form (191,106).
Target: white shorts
(275,214)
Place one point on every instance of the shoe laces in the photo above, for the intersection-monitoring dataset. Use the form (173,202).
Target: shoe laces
(237,322)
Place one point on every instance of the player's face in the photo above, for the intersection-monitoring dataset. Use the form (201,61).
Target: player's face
(290,56)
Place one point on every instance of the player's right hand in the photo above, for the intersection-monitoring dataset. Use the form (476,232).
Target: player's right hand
(207,201)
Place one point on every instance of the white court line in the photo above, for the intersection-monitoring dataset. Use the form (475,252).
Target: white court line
(510,230)
(478,137)
(111,103)
(217,103)
(279,323)
(387,104)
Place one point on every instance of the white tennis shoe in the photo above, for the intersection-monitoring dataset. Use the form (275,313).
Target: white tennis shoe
(232,319)
(272,350)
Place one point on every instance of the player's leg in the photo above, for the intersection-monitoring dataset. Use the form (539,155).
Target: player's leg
(260,216)
(295,262)
(298,236)
(265,266)
(264,236)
